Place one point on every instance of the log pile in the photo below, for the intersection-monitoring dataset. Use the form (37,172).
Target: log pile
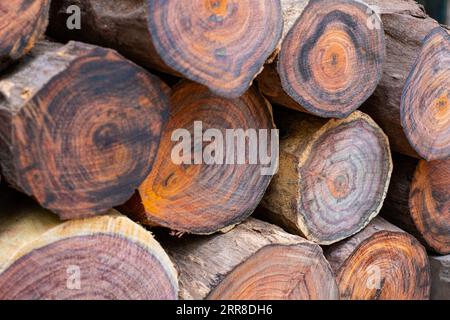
(252,166)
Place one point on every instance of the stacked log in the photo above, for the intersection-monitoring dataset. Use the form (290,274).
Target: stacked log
(23,22)
(333,176)
(188,194)
(221,44)
(330,60)
(79,127)
(254,261)
(381,262)
(107,257)
(419,200)
(84,130)
(406,25)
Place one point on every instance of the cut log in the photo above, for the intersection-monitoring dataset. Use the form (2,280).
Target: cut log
(106,257)
(186,192)
(79,127)
(381,262)
(330,60)
(222,44)
(425,108)
(333,175)
(406,25)
(418,200)
(22,23)
(440,277)
(255,260)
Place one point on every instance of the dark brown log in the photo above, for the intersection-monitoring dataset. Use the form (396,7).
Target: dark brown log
(381,262)
(440,278)
(425,108)
(418,200)
(222,44)
(333,176)
(406,25)
(22,23)
(255,260)
(330,60)
(79,127)
(198,197)
(106,257)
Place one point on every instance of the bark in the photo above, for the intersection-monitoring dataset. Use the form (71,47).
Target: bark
(255,260)
(79,127)
(333,175)
(440,273)
(220,44)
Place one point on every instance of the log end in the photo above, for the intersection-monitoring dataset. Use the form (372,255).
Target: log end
(107,257)
(425,105)
(386,266)
(186,192)
(344,177)
(220,44)
(429,203)
(87,138)
(331,59)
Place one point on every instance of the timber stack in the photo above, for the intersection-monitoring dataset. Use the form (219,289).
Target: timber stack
(250,175)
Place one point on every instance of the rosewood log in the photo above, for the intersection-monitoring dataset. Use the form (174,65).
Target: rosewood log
(222,44)
(22,23)
(186,192)
(406,25)
(418,200)
(255,260)
(107,257)
(330,60)
(425,107)
(79,127)
(440,277)
(381,262)
(333,176)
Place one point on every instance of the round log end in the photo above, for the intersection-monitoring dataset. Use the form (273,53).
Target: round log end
(99,258)
(386,266)
(280,272)
(344,177)
(429,203)
(87,139)
(331,59)
(425,106)
(22,22)
(222,44)
(203,197)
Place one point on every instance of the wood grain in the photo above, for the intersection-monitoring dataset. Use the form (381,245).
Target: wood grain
(381,262)
(203,198)
(418,201)
(425,106)
(330,60)
(107,257)
(333,175)
(80,127)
